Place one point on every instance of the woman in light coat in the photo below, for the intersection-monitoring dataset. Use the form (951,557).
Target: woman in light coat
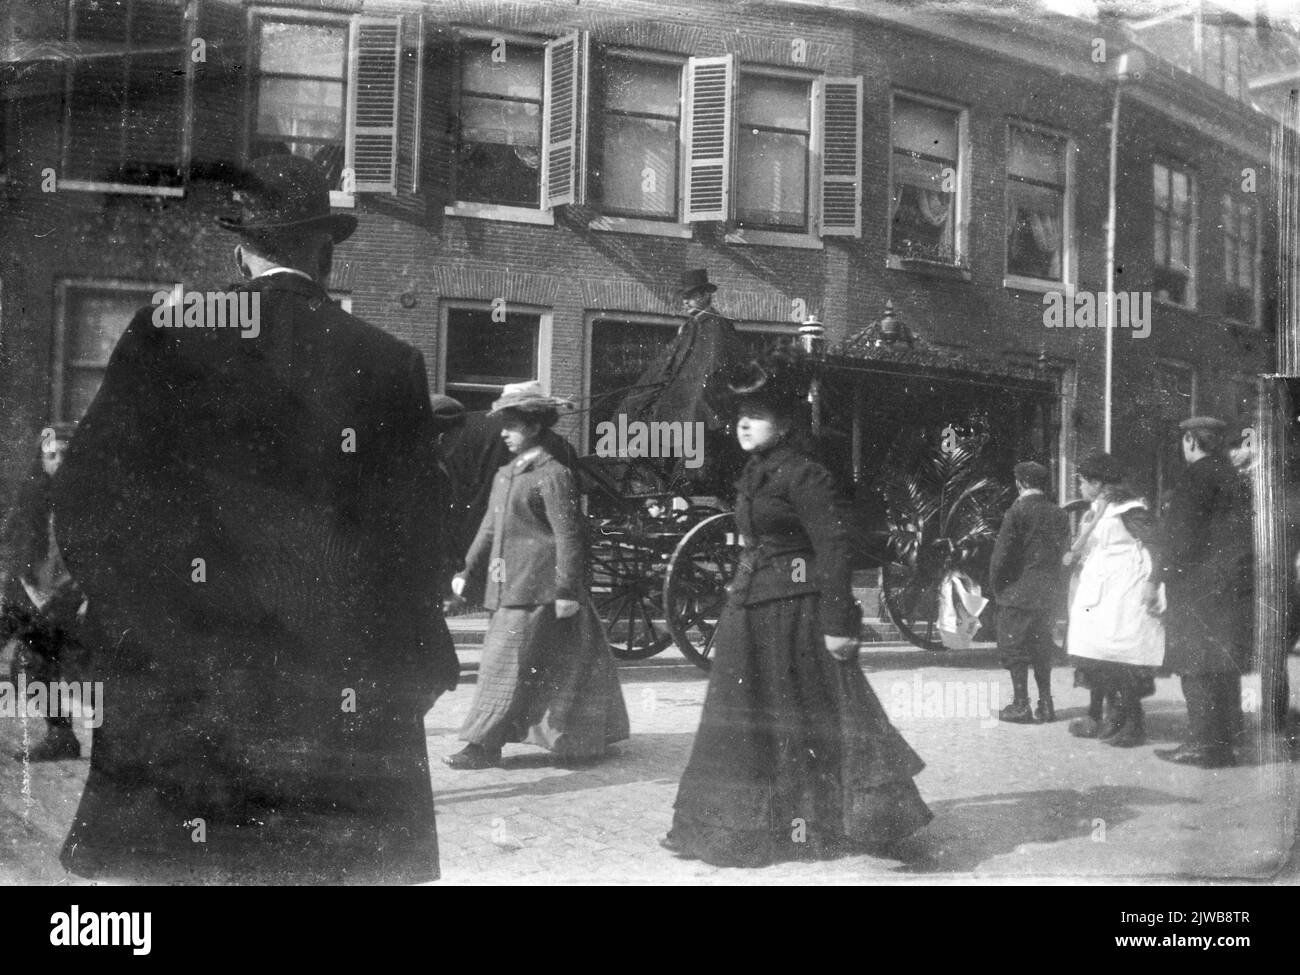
(547,676)
(1114,641)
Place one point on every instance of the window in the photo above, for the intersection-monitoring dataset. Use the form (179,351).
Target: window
(326,88)
(498,152)
(1038,216)
(1177,383)
(91,317)
(925,190)
(621,349)
(124,116)
(1221,60)
(1174,214)
(636,163)
(1240,259)
(772,153)
(485,348)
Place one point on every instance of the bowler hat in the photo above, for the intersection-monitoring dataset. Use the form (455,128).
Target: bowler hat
(528,397)
(692,281)
(448,413)
(283,195)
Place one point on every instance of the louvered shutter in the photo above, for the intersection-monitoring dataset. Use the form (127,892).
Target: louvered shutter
(374,104)
(840,127)
(564,162)
(710,110)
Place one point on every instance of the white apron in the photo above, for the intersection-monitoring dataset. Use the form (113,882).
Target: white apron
(1107,618)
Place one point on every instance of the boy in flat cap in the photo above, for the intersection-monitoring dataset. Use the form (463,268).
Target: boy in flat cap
(1025,574)
(1205,564)
(254,521)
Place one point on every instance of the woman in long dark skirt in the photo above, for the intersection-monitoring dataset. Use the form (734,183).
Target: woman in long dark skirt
(795,757)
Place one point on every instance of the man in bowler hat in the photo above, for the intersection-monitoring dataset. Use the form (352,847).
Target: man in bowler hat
(679,386)
(255,524)
(1025,574)
(1204,561)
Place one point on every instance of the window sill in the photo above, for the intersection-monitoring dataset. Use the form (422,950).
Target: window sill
(125,189)
(1037,285)
(953,272)
(1236,324)
(493,211)
(649,228)
(774,238)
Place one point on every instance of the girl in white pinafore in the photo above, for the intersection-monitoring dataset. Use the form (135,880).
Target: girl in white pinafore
(1116,641)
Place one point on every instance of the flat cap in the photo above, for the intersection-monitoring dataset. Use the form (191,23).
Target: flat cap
(1202,423)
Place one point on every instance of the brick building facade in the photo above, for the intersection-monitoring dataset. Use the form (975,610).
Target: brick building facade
(816,159)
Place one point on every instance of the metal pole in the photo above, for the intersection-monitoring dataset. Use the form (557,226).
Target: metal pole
(1110,265)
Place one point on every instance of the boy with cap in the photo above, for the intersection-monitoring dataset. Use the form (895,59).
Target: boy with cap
(1025,575)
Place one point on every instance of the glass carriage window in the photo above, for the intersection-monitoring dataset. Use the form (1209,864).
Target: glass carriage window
(498,152)
(302,81)
(1036,202)
(925,141)
(639,132)
(772,152)
(1174,233)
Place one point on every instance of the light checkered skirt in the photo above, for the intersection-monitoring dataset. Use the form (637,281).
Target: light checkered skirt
(547,682)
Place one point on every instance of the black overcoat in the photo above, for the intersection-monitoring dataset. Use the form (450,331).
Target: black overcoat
(254,521)
(1205,562)
(1025,571)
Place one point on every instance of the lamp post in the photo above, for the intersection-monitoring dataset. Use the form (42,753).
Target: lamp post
(1130,64)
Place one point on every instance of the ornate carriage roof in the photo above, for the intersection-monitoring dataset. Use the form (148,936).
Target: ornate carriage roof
(867,352)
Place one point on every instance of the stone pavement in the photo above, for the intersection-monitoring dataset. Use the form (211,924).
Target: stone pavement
(1011,803)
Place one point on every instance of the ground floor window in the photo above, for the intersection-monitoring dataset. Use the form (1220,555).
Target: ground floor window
(489,344)
(90,318)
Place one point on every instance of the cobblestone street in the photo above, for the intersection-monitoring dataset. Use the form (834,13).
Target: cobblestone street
(1010,802)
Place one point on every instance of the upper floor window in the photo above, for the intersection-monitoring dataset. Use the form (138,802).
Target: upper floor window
(926,181)
(325,88)
(124,118)
(1240,258)
(1038,212)
(772,152)
(498,151)
(1174,232)
(635,171)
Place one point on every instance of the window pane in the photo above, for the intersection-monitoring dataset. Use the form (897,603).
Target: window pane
(94,321)
(1179,183)
(1160,186)
(1035,230)
(772,177)
(620,352)
(638,171)
(642,86)
(518,76)
(308,109)
(1037,157)
(1177,243)
(303,49)
(924,129)
(480,350)
(777,102)
(1161,236)
(503,122)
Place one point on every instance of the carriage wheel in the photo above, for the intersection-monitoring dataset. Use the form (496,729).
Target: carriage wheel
(626,593)
(911,597)
(695,589)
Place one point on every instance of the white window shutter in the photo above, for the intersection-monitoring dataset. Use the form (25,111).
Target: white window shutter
(564,110)
(710,111)
(373,103)
(839,118)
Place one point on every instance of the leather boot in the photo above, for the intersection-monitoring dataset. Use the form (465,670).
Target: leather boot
(1132,730)
(1018,711)
(1114,718)
(1089,727)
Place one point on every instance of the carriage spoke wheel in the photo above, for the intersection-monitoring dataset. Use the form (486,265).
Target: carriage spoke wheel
(695,588)
(911,597)
(626,593)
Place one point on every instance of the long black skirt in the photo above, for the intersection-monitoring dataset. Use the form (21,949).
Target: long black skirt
(795,758)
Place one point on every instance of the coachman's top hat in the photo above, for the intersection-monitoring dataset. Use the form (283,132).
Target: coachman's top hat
(284,195)
(692,281)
